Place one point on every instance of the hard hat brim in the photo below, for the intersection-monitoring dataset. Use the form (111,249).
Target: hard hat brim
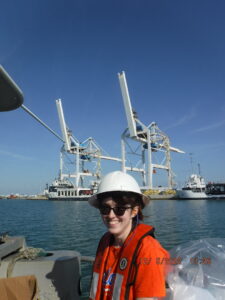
(94,201)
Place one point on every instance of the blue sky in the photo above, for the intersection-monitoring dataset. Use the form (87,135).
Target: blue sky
(173,56)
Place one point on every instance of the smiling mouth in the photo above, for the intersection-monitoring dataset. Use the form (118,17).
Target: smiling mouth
(112,223)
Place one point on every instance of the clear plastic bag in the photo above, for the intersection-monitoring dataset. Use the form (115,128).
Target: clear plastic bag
(198,270)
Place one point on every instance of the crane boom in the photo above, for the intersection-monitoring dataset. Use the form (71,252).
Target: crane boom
(127,104)
(63,125)
(176,150)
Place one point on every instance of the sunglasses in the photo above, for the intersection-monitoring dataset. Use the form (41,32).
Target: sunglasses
(118,210)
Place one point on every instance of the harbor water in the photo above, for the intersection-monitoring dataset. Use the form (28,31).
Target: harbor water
(70,225)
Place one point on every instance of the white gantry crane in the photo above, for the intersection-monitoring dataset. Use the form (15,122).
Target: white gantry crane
(71,183)
(151,141)
(86,157)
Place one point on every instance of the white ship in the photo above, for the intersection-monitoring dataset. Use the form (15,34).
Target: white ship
(65,190)
(195,188)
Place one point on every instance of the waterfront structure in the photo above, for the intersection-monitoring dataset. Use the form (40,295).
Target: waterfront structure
(215,190)
(148,143)
(80,178)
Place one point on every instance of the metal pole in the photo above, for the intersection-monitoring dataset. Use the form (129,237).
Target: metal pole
(77,166)
(61,165)
(42,123)
(191,160)
(123,161)
(149,158)
(199,169)
(143,167)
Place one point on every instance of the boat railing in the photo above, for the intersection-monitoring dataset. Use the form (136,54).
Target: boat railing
(87,258)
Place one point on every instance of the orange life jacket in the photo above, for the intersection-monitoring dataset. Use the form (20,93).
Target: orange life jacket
(126,269)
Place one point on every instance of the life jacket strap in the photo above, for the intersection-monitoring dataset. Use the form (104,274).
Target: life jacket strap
(134,267)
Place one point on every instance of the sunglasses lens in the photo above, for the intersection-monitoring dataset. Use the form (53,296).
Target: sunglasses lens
(105,210)
(119,211)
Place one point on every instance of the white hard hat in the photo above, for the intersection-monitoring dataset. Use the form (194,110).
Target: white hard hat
(117,181)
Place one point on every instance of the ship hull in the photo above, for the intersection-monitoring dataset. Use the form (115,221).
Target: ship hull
(68,198)
(189,194)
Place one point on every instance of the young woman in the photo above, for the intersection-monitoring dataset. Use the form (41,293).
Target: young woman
(130,263)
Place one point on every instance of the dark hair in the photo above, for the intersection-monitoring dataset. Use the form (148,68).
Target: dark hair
(124,198)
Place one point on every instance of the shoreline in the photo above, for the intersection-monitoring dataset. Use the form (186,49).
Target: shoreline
(38,197)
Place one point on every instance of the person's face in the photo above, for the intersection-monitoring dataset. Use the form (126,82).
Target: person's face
(119,226)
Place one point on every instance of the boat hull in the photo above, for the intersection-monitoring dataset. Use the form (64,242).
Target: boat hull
(189,194)
(68,198)
(57,272)
(216,197)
